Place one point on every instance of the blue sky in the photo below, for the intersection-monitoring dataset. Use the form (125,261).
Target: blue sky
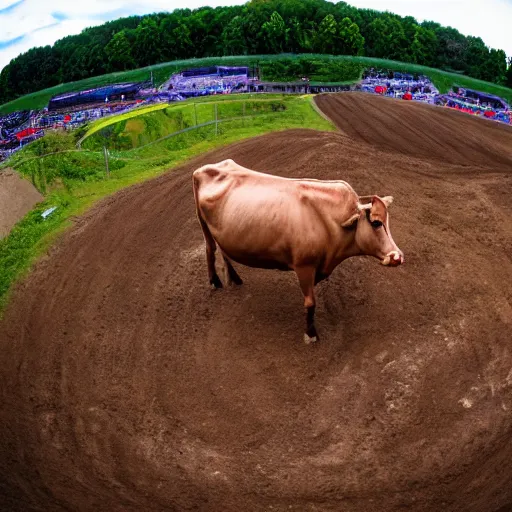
(28,23)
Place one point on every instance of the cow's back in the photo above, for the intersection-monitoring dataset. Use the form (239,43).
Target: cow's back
(256,216)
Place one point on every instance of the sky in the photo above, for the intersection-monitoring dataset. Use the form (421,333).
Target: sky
(28,23)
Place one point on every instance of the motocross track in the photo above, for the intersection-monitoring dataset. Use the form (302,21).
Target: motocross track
(128,385)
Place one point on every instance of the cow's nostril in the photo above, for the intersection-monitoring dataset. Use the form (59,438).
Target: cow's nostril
(393,259)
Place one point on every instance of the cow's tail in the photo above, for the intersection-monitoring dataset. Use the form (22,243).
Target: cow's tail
(210,241)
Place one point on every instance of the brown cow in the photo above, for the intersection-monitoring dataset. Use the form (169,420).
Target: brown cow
(306,225)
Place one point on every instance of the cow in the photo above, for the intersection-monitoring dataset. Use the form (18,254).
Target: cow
(306,225)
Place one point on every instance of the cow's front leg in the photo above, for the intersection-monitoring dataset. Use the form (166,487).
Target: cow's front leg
(306,277)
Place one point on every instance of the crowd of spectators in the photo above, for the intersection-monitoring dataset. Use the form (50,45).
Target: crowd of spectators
(470,105)
(20,128)
(476,103)
(188,86)
(14,129)
(420,88)
(399,85)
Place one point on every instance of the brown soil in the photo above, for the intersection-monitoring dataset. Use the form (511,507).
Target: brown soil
(17,198)
(128,385)
(420,130)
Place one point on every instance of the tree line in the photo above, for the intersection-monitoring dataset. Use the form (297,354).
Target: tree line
(258,27)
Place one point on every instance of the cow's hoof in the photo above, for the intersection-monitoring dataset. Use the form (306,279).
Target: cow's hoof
(216,283)
(309,339)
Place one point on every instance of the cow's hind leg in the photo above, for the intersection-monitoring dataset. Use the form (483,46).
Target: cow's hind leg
(232,273)
(210,259)
(211,247)
(306,277)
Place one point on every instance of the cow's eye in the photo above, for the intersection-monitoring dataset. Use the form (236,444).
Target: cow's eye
(376,224)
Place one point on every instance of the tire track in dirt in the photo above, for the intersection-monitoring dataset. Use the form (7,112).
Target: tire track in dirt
(420,130)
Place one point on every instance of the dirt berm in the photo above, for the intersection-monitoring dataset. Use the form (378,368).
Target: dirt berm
(128,385)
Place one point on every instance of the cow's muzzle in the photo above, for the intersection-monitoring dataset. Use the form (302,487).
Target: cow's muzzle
(393,259)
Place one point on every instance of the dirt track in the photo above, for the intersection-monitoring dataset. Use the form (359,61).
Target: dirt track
(128,385)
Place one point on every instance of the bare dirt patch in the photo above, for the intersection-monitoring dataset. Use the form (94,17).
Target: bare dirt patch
(17,198)
(128,385)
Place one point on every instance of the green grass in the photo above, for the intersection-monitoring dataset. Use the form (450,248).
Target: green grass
(136,130)
(321,68)
(103,123)
(75,180)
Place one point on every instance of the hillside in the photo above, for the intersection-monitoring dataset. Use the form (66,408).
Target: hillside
(320,68)
(258,27)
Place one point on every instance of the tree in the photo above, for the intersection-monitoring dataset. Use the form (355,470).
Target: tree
(257,27)
(324,40)
(409,24)
(118,52)
(297,39)
(386,38)
(350,40)
(183,41)
(476,57)
(5,91)
(424,47)
(496,67)
(147,48)
(452,46)
(276,32)
(233,39)
(176,38)
(508,77)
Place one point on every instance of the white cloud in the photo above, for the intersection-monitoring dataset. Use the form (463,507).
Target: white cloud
(43,37)
(34,19)
(34,23)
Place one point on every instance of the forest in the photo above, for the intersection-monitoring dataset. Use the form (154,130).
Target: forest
(255,28)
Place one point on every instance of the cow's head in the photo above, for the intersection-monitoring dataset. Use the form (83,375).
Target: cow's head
(373,236)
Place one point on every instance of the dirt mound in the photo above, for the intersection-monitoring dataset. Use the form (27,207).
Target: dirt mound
(127,384)
(420,130)
(17,198)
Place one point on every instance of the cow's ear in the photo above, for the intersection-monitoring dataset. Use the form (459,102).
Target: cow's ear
(378,209)
(387,200)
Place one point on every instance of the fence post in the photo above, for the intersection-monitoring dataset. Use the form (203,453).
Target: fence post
(105,154)
(43,175)
(216,121)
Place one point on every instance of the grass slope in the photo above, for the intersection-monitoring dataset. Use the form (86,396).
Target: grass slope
(320,68)
(75,180)
(133,130)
